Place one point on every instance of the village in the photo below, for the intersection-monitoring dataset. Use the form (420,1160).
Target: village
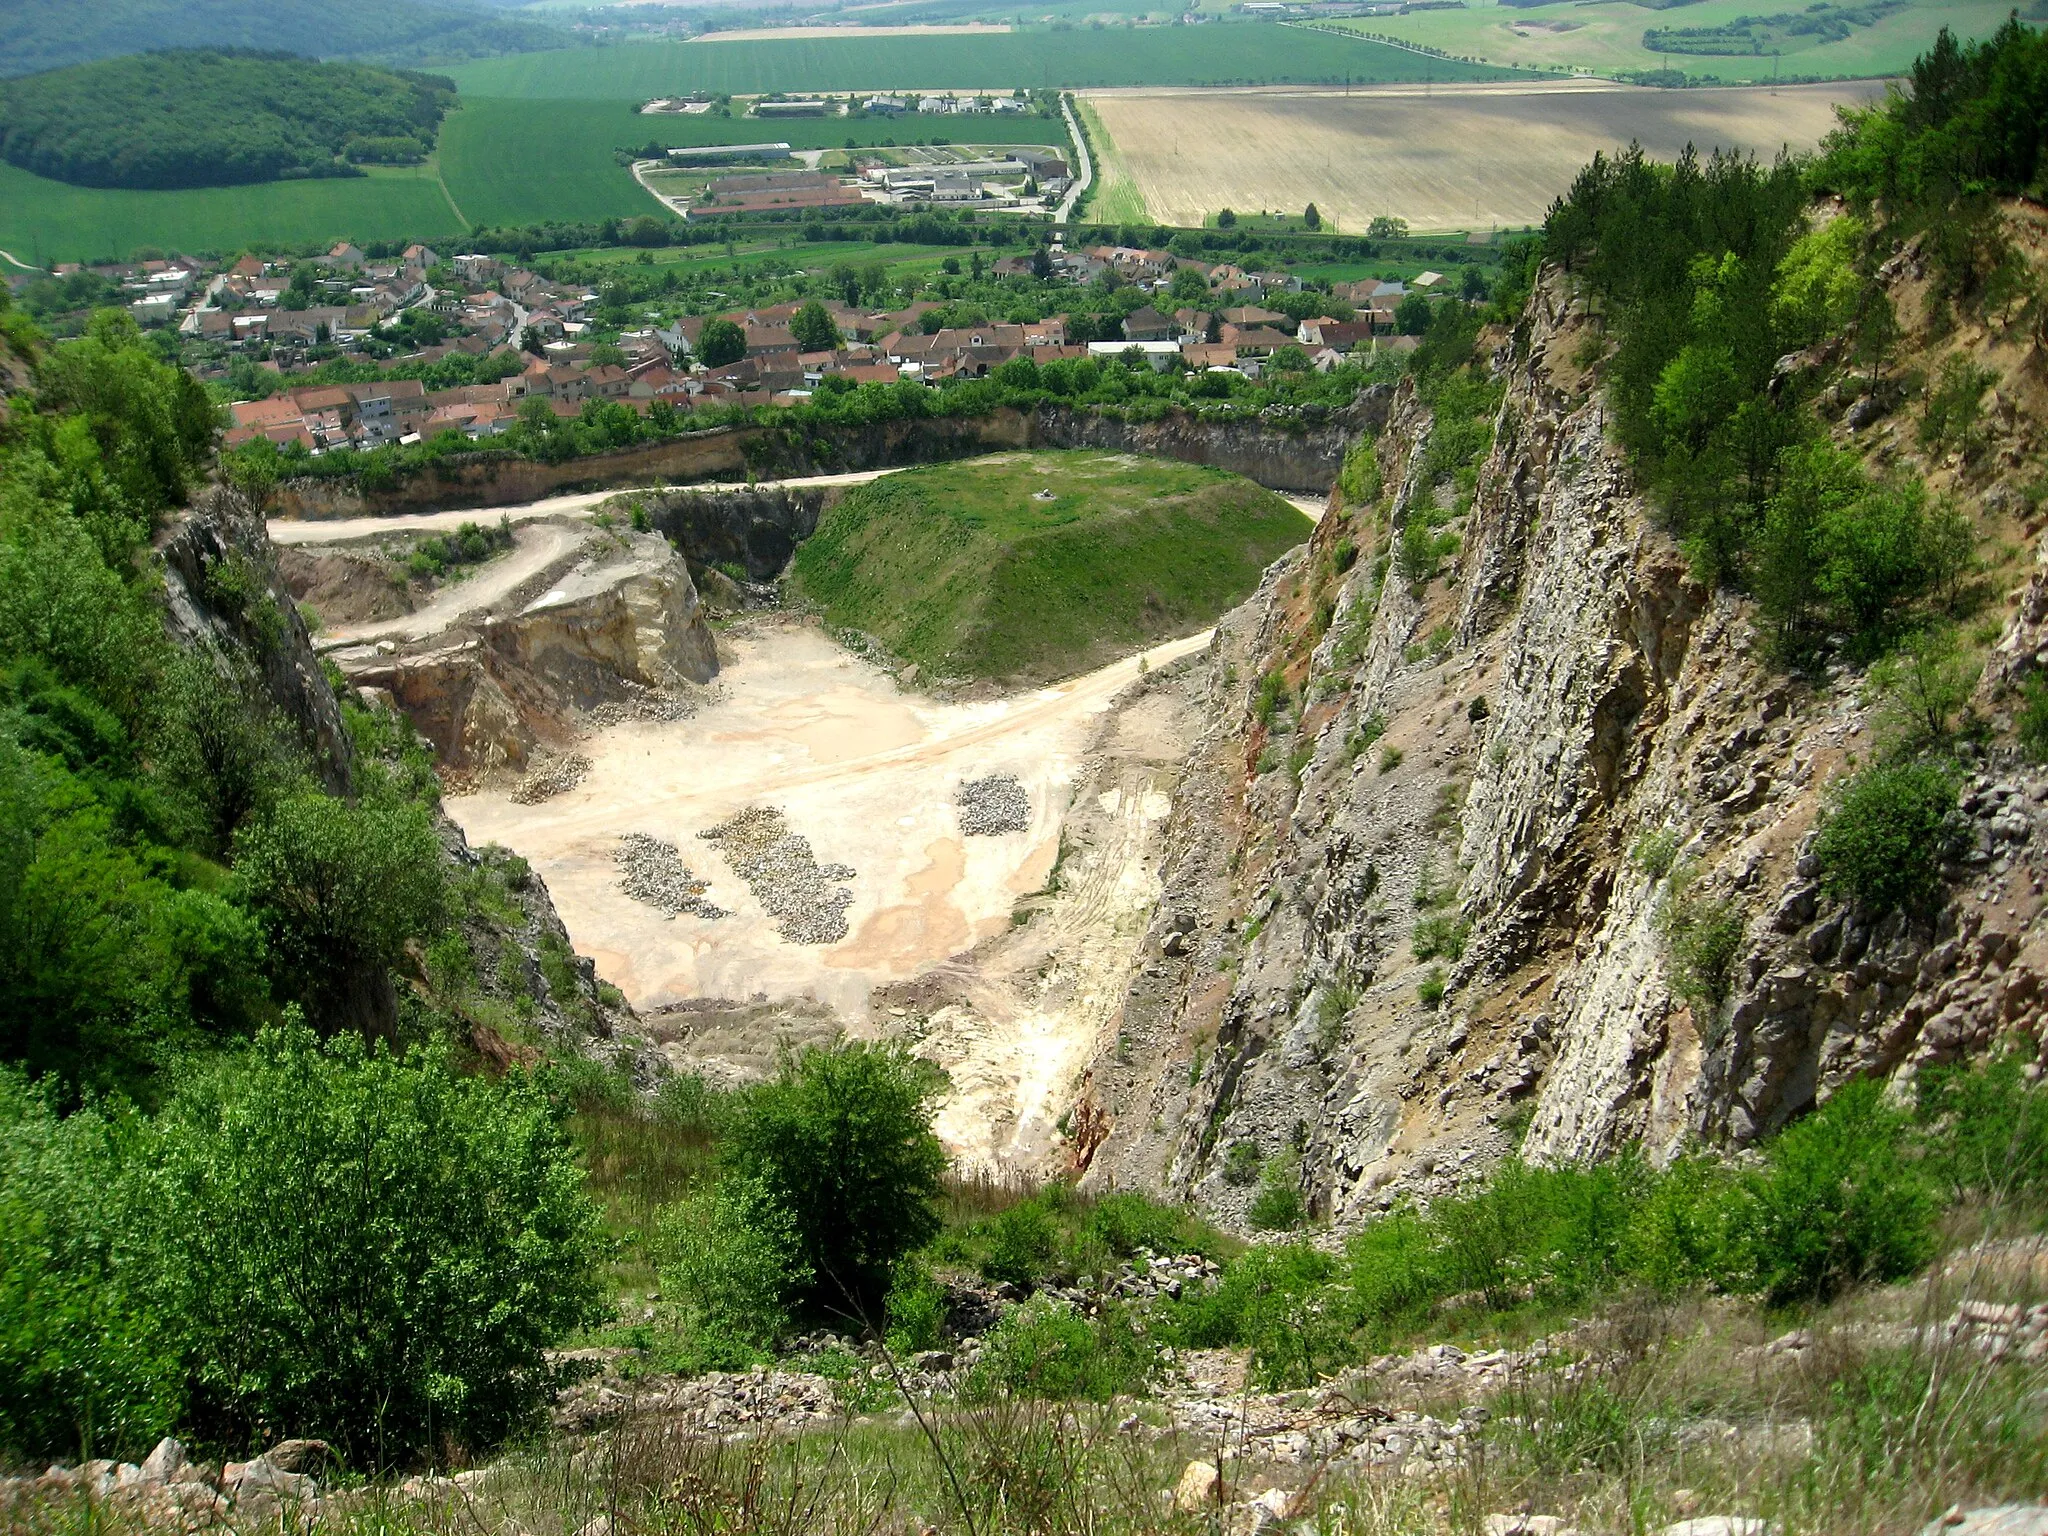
(551,354)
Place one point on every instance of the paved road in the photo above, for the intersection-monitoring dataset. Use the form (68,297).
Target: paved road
(1087,177)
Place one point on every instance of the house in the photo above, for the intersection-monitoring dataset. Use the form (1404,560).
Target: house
(1204,355)
(1160,354)
(1424,281)
(883,106)
(1256,340)
(1251,314)
(1043,164)
(343,255)
(1146,324)
(1337,335)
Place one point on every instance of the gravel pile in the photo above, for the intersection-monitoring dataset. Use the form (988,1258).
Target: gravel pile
(653,872)
(805,898)
(550,776)
(654,705)
(992,806)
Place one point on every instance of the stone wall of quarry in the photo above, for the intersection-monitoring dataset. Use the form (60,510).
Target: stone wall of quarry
(1489,752)
(489,694)
(1299,453)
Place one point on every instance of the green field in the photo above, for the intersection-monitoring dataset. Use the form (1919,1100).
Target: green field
(1220,54)
(961,569)
(510,162)
(1607,35)
(45,221)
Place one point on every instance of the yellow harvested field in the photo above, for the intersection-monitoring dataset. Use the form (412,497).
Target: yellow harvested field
(1444,157)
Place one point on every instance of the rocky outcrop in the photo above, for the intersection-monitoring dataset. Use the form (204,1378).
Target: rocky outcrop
(1296,450)
(619,623)
(224,598)
(754,527)
(1417,908)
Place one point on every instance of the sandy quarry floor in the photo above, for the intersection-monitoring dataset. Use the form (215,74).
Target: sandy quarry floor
(862,769)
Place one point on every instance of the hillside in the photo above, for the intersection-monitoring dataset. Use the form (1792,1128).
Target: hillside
(1033,566)
(36,35)
(208,118)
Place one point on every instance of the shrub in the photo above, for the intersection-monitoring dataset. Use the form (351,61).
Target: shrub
(731,1260)
(915,1313)
(1655,852)
(84,1367)
(339,889)
(1680,1235)
(1044,1349)
(367,1249)
(1987,1128)
(1276,1207)
(1702,937)
(1839,1201)
(1023,1244)
(1921,691)
(1273,1301)
(1883,838)
(1241,1164)
(842,1140)
(1441,933)
(2031,721)
(1430,990)
(1954,404)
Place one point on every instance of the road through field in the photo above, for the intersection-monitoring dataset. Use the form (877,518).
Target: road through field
(1442,157)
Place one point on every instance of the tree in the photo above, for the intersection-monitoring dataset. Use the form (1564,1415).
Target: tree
(1310,218)
(1412,315)
(842,1140)
(1188,286)
(1386,227)
(1226,220)
(720,343)
(812,328)
(1041,263)
(339,889)
(369,1249)
(1212,329)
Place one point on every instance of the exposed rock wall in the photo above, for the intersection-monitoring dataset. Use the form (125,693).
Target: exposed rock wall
(1493,755)
(1299,452)
(488,693)
(757,528)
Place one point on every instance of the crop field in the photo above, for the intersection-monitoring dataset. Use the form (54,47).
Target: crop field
(1607,35)
(811,255)
(44,221)
(515,162)
(1115,197)
(1250,53)
(1472,157)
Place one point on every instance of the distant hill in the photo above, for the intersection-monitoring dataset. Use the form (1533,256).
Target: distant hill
(37,35)
(209,118)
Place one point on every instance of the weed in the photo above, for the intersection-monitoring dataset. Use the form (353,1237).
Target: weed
(1390,759)
(1430,991)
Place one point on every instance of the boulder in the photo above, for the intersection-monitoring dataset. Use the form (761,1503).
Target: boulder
(1997,1520)
(166,1462)
(308,1456)
(1198,1487)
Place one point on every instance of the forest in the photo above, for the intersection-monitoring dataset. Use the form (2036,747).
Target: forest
(216,117)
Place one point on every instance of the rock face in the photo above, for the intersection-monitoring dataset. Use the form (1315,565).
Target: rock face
(1411,914)
(622,621)
(1298,452)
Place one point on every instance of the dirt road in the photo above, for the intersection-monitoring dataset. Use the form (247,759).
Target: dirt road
(535,547)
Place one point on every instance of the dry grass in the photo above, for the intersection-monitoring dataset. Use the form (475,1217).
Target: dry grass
(1455,157)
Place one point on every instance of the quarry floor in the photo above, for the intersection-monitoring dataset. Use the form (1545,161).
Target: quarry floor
(867,771)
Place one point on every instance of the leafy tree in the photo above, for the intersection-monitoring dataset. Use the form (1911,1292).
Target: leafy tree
(733,1262)
(339,889)
(1386,227)
(720,343)
(1922,690)
(813,328)
(369,1249)
(842,1141)
(1226,219)
(1188,286)
(1885,834)
(1310,218)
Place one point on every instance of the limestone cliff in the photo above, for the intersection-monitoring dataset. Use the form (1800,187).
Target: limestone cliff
(1411,911)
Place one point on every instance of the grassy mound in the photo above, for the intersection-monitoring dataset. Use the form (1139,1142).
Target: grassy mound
(971,571)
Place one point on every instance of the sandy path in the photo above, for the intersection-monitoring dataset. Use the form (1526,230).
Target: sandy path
(535,547)
(340,530)
(863,770)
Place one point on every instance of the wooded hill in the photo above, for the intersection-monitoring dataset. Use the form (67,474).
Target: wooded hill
(208,118)
(37,35)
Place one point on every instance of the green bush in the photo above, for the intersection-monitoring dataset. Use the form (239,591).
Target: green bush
(1680,1234)
(1885,833)
(1241,1164)
(1702,939)
(915,1314)
(2031,720)
(842,1140)
(1986,1128)
(85,1369)
(732,1264)
(1023,1244)
(1045,1349)
(1840,1201)
(1274,1301)
(363,1248)
(1276,1207)
(1441,933)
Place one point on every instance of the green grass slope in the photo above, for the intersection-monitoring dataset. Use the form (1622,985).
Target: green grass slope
(513,162)
(1251,53)
(961,569)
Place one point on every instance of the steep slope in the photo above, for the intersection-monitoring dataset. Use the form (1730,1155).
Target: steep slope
(1435,921)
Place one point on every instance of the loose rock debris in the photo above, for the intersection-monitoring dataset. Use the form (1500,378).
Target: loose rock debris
(653,872)
(805,898)
(992,806)
(550,776)
(658,706)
